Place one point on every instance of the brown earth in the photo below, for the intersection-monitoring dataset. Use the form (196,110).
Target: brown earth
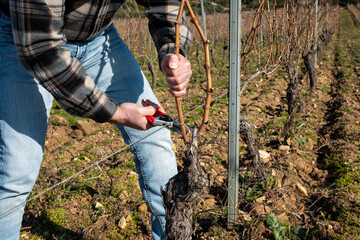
(104,202)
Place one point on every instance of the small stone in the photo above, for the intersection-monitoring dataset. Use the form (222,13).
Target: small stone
(132,173)
(85,127)
(284,148)
(122,223)
(99,205)
(128,218)
(245,217)
(264,156)
(260,199)
(143,208)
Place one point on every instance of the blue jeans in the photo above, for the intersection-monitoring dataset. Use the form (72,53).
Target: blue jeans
(24,111)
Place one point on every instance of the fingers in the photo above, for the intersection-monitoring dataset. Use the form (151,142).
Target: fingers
(133,115)
(177,91)
(178,72)
(148,102)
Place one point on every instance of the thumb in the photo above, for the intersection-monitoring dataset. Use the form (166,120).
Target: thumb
(148,111)
(173,62)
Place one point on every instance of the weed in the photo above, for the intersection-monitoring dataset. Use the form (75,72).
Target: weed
(217,160)
(54,122)
(281,119)
(82,156)
(56,109)
(325,88)
(311,135)
(57,216)
(301,140)
(302,126)
(130,165)
(283,231)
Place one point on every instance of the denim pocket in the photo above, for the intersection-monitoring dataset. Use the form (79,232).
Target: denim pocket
(5,24)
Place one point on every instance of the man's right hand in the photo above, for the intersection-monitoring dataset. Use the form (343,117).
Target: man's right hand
(133,115)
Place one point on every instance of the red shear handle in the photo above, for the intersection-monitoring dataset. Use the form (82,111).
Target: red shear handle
(151,119)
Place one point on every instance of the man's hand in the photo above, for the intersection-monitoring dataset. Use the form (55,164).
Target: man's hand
(178,72)
(132,115)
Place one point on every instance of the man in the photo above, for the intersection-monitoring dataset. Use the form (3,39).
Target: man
(70,51)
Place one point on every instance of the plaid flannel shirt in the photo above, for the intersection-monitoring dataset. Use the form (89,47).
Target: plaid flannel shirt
(42,27)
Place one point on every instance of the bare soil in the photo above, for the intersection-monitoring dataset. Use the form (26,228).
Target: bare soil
(314,177)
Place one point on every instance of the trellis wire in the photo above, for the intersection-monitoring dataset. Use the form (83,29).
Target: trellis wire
(96,163)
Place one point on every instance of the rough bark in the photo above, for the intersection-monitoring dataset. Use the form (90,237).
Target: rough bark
(183,192)
(309,60)
(295,101)
(248,135)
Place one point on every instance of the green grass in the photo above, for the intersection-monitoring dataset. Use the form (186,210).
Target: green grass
(57,110)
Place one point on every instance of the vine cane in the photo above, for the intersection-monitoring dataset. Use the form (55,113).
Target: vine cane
(209,88)
(177,48)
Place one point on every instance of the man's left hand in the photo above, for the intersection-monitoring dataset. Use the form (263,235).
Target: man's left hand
(178,72)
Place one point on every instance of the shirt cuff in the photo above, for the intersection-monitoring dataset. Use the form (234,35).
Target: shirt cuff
(105,111)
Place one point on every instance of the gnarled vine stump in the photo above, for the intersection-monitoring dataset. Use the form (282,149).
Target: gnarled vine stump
(183,192)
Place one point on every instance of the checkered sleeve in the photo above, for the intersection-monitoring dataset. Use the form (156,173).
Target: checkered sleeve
(162,15)
(37,29)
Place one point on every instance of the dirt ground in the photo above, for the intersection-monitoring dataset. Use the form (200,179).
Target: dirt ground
(314,177)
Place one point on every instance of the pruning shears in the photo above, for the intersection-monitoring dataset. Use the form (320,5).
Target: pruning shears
(161,118)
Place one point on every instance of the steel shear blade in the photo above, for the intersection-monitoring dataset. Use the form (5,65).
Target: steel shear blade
(163,119)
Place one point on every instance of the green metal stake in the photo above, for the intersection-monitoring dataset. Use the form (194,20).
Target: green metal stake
(203,14)
(234,111)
